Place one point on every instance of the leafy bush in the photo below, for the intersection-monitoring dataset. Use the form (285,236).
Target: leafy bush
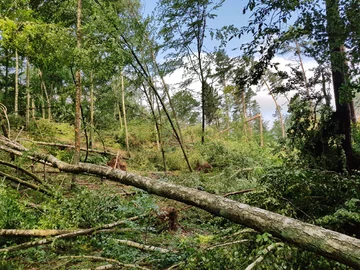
(43,130)
(311,193)
(91,208)
(16,121)
(346,219)
(13,214)
(318,144)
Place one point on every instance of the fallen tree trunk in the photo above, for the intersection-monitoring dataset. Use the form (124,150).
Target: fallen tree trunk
(32,232)
(333,245)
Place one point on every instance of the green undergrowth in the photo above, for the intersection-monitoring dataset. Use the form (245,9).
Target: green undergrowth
(270,177)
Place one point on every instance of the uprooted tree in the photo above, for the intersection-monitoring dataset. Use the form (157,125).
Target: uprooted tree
(333,245)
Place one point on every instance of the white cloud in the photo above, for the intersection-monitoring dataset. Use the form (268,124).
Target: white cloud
(265,101)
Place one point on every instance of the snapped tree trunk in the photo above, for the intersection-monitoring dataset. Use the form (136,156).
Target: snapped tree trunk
(333,245)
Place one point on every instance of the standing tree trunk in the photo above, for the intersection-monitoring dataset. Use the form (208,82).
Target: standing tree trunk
(157,124)
(302,68)
(278,110)
(27,117)
(339,70)
(118,104)
(7,63)
(244,112)
(91,111)
(124,114)
(33,108)
(78,90)
(46,96)
(16,105)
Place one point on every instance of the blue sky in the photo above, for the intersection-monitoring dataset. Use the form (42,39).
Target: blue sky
(229,14)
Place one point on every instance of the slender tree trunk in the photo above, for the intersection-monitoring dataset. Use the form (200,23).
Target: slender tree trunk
(261,131)
(78,90)
(48,103)
(42,104)
(7,63)
(161,137)
(27,117)
(339,69)
(166,89)
(157,125)
(302,68)
(203,112)
(200,35)
(278,110)
(326,95)
(16,106)
(91,111)
(227,110)
(33,108)
(352,112)
(124,114)
(118,108)
(244,112)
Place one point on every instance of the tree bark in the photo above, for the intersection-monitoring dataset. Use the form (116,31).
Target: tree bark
(333,245)
(159,140)
(32,232)
(16,105)
(43,85)
(27,113)
(91,111)
(78,89)
(124,114)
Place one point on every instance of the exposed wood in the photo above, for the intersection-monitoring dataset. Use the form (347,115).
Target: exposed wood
(333,245)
